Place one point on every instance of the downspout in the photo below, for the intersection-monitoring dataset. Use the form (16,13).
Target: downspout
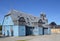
(2,24)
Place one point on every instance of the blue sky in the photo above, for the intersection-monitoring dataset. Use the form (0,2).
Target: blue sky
(34,7)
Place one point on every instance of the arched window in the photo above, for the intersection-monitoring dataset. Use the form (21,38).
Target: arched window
(40,21)
(22,21)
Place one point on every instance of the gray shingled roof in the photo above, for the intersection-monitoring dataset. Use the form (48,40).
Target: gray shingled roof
(16,14)
(29,19)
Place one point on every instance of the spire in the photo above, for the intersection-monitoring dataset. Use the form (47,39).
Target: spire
(43,14)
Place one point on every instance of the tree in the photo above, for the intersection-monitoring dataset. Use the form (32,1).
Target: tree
(53,24)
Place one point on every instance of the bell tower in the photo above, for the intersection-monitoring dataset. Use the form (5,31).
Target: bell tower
(42,16)
(43,20)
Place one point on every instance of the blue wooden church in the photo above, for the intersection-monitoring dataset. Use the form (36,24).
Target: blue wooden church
(17,23)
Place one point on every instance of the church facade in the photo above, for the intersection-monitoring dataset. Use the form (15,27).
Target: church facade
(17,23)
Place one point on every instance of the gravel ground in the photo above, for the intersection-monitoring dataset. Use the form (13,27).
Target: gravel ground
(53,37)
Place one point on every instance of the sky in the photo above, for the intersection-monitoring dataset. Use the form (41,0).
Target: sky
(50,7)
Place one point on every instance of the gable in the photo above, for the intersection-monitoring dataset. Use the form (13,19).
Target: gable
(8,21)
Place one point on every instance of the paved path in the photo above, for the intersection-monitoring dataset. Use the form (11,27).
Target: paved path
(53,37)
(47,38)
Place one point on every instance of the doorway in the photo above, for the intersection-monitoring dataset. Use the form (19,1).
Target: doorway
(29,30)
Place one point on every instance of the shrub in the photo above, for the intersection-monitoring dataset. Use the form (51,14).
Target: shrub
(0,27)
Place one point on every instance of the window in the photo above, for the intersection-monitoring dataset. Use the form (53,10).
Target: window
(21,19)
(40,21)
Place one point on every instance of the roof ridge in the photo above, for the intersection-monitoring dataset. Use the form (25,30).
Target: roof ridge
(24,13)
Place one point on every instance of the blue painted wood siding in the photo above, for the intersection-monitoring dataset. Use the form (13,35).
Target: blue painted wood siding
(15,30)
(47,31)
(22,31)
(41,31)
(6,25)
(36,31)
(6,30)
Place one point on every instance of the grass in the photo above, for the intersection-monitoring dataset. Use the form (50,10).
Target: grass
(21,40)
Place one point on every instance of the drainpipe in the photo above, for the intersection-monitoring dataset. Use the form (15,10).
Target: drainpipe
(2,25)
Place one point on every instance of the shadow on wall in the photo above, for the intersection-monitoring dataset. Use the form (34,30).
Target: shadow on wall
(0,27)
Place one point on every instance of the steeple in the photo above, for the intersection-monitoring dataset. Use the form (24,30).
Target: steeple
(42,14)
(43,17)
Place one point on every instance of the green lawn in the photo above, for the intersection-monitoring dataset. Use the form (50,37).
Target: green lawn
(21,40)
